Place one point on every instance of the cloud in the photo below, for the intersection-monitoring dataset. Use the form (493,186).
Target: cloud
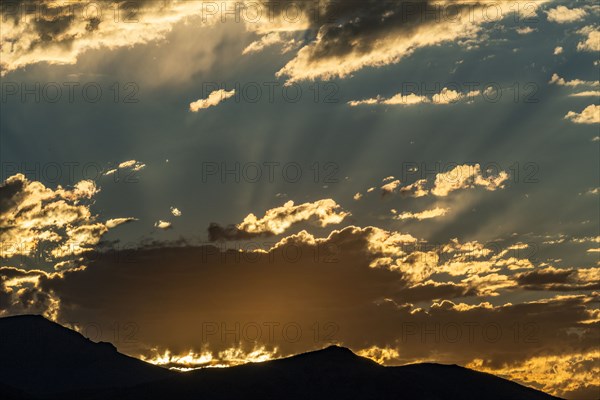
(270,39)
(354,103)
(466,176)
(587,93)
(558,50)
(160,224)
(175,211)
(112,223)
(133,164)
(557,80)
(590,115)
(416,189)
(563,15)
(525,30)
(448,96)
(214,98)
(378,354)
(390,187)
(427,214)
(277,220)
(592,41)
(398,99)
(130,165)
(445,96)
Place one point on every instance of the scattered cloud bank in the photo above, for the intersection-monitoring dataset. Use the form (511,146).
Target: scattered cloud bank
(41,222)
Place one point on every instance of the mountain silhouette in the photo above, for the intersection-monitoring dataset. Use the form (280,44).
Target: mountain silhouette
(43,360)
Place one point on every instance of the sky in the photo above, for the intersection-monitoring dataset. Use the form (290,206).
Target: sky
(211,183)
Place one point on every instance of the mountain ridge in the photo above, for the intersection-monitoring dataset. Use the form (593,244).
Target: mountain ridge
(43,360)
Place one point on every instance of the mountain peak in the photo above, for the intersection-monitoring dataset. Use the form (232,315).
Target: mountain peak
(332,352)
(333,356)
(335,349)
